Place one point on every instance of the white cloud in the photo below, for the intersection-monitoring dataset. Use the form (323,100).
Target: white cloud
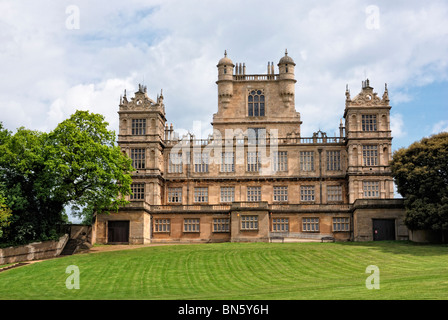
(49,71)
(102,98)
(397,125)
(441,126)
(401,97)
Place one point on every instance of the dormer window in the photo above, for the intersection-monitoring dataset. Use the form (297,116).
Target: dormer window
(256,104)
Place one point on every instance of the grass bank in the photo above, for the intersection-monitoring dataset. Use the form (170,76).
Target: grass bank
(240,271)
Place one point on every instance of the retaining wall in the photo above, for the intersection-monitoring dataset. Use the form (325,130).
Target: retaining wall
(33,251)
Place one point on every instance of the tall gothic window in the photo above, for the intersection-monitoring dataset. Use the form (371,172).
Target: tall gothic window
(370,155)
(333,160)
(280,162)
(138,158)
(307,160)
(256,104)
(138,191)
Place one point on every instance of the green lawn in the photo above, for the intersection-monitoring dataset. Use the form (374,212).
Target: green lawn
(228,271)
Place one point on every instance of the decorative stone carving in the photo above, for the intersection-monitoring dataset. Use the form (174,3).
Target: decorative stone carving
(140,101)
(368,98)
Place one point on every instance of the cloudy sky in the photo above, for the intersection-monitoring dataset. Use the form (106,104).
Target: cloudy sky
(59,56)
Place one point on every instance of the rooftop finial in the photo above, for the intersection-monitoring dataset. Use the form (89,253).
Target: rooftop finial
(386,93)
(286,52)
(347,92)
(225,53)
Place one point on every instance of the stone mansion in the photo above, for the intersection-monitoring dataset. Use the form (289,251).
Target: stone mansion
(256,178)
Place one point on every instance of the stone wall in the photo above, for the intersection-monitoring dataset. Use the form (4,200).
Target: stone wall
(81,232)
(260,234)
(178,234)
(428,236)
(139,230)
(33,251)
(360,216)
(367,210)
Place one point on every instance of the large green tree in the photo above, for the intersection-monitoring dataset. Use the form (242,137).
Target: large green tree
(5,214)
(76,165)
(5,211)
(421,175)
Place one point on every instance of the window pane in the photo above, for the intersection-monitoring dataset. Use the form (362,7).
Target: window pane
(307,160)
(249,222)
(370,155)
(256,105)
(138,158)
(333,160)
(369,122)
(138,127)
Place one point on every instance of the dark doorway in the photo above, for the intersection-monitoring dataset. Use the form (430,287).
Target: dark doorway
(383,229)
(118,231)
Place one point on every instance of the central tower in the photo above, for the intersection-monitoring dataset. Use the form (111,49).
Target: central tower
(257,101)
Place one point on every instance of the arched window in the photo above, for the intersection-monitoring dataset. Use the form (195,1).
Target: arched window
(256,104)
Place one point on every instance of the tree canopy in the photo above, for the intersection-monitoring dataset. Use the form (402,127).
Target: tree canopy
(5,214)
(76,165)
(421,175)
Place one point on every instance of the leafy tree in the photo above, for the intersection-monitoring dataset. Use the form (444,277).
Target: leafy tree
(5,214)
(93,175)
(76,165)
(5,211)
(421,175)
(20,167)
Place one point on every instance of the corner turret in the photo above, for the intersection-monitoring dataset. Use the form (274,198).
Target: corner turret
(225,80)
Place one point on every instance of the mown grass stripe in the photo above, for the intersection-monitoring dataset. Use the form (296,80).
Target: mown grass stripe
(240,271)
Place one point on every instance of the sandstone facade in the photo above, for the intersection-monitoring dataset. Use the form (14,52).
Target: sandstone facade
(256,177)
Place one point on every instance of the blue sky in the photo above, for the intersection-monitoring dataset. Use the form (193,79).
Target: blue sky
(55,59)
(424,114)
(51,68)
